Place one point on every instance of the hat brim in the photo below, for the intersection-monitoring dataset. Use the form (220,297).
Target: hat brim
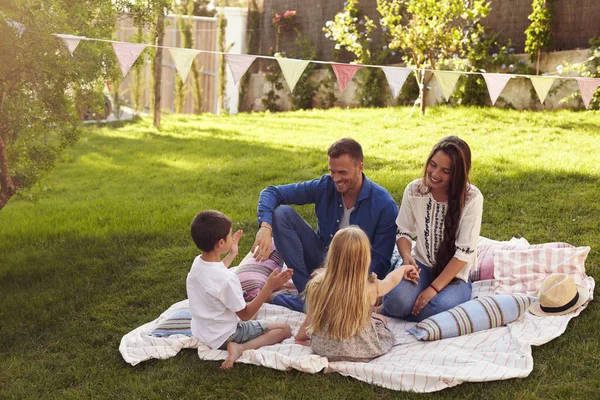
(584,295)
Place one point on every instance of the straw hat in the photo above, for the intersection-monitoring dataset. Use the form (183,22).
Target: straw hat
(559,295)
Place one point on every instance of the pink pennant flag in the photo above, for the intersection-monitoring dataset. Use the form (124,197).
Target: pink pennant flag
(396,78)
(587,87)
(127,53)
(344,73)
(495,84)
(239,64)
(70,41)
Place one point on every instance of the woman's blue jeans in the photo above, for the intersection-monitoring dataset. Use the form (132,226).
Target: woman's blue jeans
(399,302)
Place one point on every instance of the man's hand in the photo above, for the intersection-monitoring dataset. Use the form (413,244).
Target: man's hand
(277,279)
(261,249)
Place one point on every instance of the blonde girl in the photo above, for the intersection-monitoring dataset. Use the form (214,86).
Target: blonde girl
(340,322)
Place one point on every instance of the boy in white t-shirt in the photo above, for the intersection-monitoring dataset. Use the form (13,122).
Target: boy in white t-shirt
(216,296)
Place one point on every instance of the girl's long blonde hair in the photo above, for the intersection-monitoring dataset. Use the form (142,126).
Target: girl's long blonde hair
(337,299)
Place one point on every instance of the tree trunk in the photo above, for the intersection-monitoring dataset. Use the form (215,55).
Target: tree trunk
(537,65)
(160,35)
(7,185)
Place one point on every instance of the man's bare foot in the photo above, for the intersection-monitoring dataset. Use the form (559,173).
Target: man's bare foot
(235,352)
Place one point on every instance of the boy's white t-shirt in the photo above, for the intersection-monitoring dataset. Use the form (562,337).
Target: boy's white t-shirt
(215,295)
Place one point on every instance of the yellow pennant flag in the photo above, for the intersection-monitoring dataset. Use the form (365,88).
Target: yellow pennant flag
(292,70)
(447,81)
(542,86)
(183,59)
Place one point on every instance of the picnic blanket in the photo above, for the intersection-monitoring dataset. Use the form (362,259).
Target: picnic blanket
(412,365)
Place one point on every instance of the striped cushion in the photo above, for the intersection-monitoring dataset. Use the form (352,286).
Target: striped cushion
(253,274)
(177,323)
(473,316)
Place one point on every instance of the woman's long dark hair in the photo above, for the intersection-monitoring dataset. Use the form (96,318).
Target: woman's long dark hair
(460,155)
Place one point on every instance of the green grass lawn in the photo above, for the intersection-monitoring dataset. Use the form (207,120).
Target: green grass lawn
(102,246)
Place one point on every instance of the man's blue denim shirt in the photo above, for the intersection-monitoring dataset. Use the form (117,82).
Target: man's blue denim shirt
(375,213)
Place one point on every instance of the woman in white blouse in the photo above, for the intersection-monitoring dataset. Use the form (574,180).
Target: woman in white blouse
(442,211)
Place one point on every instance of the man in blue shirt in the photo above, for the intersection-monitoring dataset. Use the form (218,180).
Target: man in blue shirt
(342,198)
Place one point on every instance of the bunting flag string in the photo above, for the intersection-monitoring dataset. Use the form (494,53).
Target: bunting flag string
(344,73)
(396,78)
(239,64)
(495,84)
(587,87)
(183,59)
(127,53)
(447,81)
(542,86)
(292,69)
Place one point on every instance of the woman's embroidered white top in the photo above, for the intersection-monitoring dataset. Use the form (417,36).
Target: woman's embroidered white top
(422,217)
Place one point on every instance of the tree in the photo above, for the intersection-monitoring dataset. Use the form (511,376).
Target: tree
(538,35)
(434,32)
(151,14)
(40,82)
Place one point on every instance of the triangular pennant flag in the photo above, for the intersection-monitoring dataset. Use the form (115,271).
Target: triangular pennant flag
(127,53)
(396,78)
(239,64)
(587,87)
(542,86)
(70,41)
(495,84)
(447,80)
(292,70)
(183,59)
(344,73)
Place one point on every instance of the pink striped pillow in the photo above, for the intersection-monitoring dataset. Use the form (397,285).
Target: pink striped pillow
(253,274)
(485,255)
(522,271)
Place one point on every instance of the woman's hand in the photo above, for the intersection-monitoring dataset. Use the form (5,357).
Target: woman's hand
(411,274)
(423,299)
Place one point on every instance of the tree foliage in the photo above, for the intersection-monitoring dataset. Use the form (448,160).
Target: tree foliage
(40,82)
(431,33)
(538,35)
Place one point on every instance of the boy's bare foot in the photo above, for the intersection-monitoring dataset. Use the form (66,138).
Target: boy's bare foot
(235,352)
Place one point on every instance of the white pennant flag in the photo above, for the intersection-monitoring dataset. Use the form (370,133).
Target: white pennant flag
(70,41)
(292,70)
(542,86)
(183,59)
(495,84)
(127,53)
(396,78)
(447,81)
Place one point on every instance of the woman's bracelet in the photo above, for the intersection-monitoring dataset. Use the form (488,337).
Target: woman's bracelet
(434,288)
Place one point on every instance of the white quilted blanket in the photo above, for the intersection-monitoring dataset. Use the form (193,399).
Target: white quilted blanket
(494,354)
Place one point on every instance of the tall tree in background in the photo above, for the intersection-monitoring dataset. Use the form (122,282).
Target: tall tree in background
(538,35)
(40,82)
(151,14)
